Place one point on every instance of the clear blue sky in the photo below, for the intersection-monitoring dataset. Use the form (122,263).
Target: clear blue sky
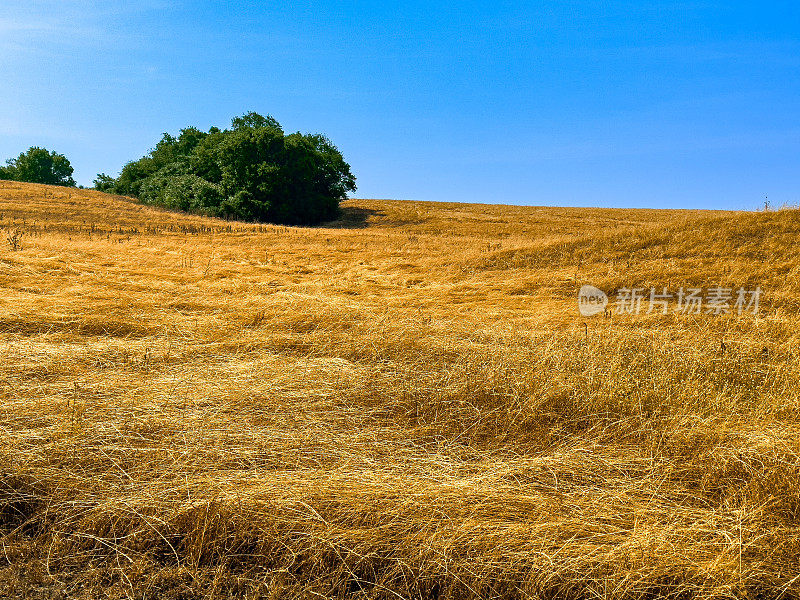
(602,103)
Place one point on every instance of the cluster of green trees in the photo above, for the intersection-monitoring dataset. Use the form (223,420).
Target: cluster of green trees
(38,165)
(251,171)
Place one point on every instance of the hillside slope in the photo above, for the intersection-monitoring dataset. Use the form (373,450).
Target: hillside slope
(403,403)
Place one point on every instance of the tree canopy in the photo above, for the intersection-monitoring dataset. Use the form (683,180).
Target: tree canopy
(251,171)
(38,165)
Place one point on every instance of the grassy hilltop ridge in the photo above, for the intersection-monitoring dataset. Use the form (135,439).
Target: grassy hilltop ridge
(402,403)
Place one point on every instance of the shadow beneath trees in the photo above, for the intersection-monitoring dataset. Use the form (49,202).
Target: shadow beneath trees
(353,217)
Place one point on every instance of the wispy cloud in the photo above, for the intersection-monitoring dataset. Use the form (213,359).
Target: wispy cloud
(26,32)
(9,26)
(37,28)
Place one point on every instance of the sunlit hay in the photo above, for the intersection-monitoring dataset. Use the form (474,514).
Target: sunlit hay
(405,403)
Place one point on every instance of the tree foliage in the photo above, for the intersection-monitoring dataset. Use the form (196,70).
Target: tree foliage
(250,172)
(39,165)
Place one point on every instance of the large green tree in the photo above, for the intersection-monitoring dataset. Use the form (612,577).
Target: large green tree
(38,165)
(252,172)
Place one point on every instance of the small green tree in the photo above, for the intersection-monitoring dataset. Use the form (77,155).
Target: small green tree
(104,183)
(39,165)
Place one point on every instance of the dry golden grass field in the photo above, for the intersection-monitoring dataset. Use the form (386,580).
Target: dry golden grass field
(405,403)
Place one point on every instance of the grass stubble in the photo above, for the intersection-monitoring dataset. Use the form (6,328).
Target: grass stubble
(402,404)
